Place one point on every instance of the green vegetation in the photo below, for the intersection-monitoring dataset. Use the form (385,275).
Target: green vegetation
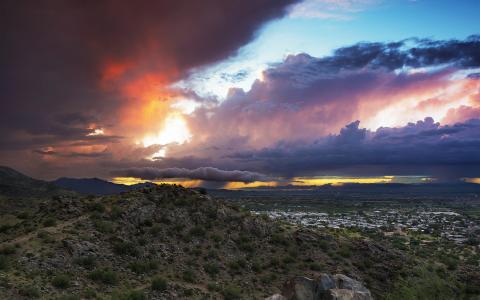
(159,284)
(105,276)
(61,281)
(140,267)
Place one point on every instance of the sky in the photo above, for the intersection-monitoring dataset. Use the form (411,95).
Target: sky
(240,94)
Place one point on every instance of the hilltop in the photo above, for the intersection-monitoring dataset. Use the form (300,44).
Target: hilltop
(196,245)
(170,242)
(20,192)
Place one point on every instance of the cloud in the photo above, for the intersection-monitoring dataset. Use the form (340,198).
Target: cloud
(341,10)
(203,173)
(67,64)
(303,97)
(424,147)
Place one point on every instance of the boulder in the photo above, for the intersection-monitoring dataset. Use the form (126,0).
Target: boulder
(325,287)
(300,288)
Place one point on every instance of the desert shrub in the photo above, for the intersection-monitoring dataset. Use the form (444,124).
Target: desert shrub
(323,244)
(88,262)
(115,212)
(49,222)
(213,287)
(89,293)
(128,295)
(103,226)
(140,267)
(159,284)
(198,231)
(105,276)
(279,239)
(29,291)
(216,238)
(315,266)
(450,262)
(155,229)
(69,297)
(7,250)
(237,265)
(23,215)
(211,269)
(288,259)
(4,262)
(5,228)
(45,237)
(61,281)
(97,207)
(212,254)
(189,276)
(178,227)
(256,267)
(125,248)
(345,251)
(424,285)
(231,292)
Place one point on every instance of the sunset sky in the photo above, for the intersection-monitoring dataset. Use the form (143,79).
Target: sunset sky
(242,93)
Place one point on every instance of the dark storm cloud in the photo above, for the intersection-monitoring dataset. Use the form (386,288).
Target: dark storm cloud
(419,147)
(203,173)
(53,54)
(408,53)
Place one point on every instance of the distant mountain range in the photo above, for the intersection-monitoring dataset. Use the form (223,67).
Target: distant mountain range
(18,185)
(96,186)
(14,184)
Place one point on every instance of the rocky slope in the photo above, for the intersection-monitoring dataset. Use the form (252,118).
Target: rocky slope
(168,242)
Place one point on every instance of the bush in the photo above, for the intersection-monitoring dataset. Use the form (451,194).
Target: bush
(105,276)
(231,292)
(216,238)
(49,222)
(189,276)
(314,266)
(4,262)
(198,231)
(159,284)
(61,281)
(140,267)
(97,207)
(8,250)
(211,269)
(103,226)
(23,215)
(90,294)
(29,291)
(88,262)
(128,295)
(45,237)
(125,248)
(155,229)
(115,212)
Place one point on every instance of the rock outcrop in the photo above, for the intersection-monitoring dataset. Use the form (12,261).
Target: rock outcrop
(325,287)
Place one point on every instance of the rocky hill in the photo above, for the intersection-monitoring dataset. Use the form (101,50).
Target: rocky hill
(20,192)
(168,242)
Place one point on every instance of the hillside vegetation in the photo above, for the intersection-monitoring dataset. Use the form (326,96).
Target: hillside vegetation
(169,242)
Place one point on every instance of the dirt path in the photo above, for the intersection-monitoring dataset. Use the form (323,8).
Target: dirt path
(52,229)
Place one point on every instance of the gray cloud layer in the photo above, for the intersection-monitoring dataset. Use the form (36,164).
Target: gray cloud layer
(203,173)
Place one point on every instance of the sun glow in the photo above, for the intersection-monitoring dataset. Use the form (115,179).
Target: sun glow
(175,130)
(299,181)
